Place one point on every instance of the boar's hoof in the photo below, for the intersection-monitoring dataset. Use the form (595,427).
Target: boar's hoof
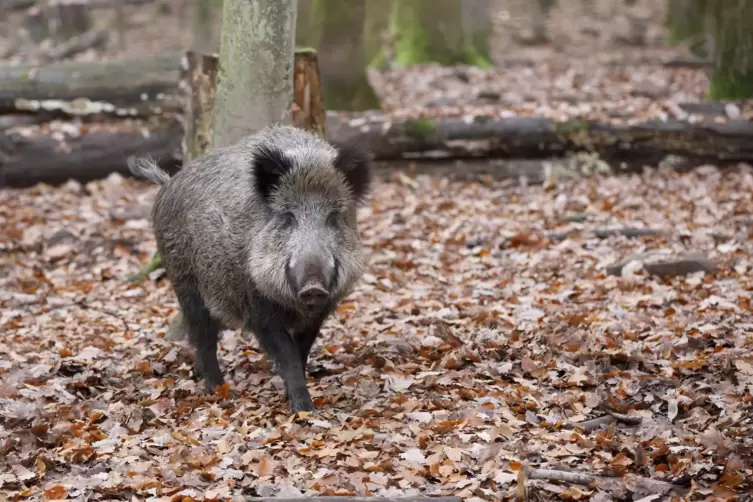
(313,295)
(300,402)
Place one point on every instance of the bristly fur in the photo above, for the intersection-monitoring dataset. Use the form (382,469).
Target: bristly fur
(231,225)
(219,220)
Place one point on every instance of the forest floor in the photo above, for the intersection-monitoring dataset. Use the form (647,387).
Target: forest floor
(486,340)
(484,332)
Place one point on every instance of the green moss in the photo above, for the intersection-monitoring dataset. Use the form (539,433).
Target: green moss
(420,128)
(154,264)
(376,25)
(571,126)
(305,49)
(731,85)
(475,58)
(336,31)
(729,23)
(432,31)
(482,119)
(684,20)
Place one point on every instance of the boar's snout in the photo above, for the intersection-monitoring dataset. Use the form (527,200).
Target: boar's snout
(313,295)
(311,276)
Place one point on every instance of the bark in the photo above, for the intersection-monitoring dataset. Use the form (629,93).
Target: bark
(337,31)
(121,88)
(204,15)
(308,108)
(255,75)
(379,42)
(539,137)
(477,25)
(11,5)
(684,20)
(728,24)
(25,162)
(447,138)
(429,31)
(199,78)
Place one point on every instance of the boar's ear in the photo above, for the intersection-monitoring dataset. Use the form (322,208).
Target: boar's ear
(355,163)
(269,165)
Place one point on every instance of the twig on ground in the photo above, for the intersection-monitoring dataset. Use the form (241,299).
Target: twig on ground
(595,423)
(577,478)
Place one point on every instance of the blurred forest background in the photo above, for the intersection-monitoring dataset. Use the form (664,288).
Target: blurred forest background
(542,50)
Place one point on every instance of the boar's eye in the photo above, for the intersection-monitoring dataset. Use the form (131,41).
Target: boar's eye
(288,219)
(333,219)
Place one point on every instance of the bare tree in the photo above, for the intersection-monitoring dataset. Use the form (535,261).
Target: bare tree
(255,75)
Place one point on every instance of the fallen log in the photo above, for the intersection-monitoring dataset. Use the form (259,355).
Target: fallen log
(141,87)
(443,138)
(25,162)
(11,5)
(540,137)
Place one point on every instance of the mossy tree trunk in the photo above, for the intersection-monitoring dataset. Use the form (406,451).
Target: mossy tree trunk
(439,31)
(204,14)
(478,27)
(337,31)
(379,42)
(730,25)
(686,23)
(255,76)
(721,30)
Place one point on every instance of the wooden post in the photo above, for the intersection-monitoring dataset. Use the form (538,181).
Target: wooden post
(308,107)
(198,81)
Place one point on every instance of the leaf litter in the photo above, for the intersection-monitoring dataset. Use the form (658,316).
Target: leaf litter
(478,357)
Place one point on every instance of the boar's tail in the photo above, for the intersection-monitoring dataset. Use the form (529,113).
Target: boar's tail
(146,167)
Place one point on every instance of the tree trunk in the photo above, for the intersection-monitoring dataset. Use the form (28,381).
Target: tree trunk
(477,25)
(204,13)
(729,27)
(435,31)
(684,20)
(379,42)
(255,75)
(336,31)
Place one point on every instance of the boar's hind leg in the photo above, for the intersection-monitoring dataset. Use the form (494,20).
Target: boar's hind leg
(280,346)
(203,332)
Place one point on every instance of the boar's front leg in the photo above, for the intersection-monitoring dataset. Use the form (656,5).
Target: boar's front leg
(305,340)
(269,329)
(203,332)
